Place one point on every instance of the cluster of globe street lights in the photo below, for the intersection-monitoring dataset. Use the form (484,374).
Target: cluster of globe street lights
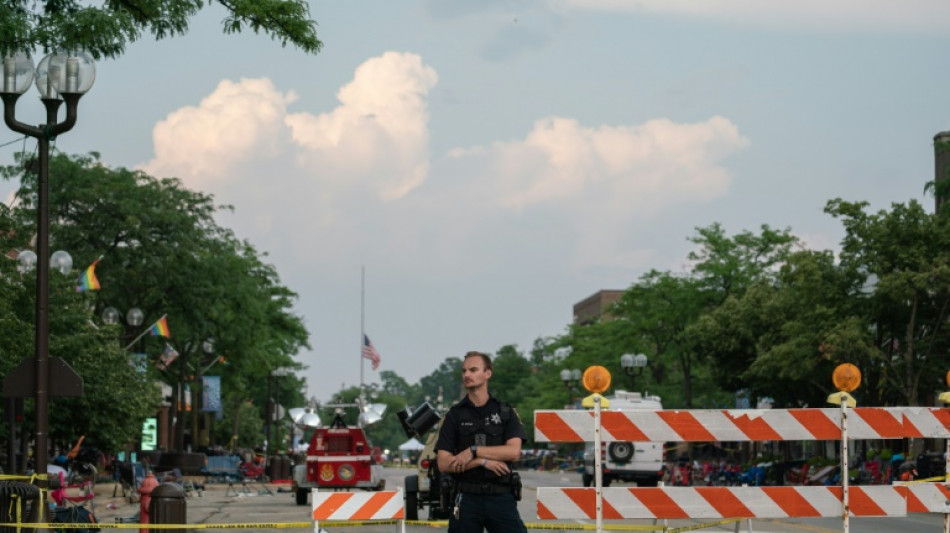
(632,365)
(60,77)
(571,379)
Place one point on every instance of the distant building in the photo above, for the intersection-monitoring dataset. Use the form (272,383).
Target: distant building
(595,306)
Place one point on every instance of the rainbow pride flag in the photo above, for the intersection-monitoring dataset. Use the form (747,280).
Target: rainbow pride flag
(87,280)
(160,328)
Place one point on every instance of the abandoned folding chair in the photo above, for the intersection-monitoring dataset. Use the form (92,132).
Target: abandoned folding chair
(175,476)
(249,473)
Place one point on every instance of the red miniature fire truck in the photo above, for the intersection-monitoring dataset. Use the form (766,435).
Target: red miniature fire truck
(339,458)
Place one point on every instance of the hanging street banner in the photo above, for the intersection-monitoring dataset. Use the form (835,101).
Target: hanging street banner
(211,397)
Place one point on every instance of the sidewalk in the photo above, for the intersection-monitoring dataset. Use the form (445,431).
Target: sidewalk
(217,503)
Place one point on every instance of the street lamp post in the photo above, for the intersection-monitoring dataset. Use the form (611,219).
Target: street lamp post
(278,372)
(633,365)
(570,378)
(133,317)
(59,77)
(25,373)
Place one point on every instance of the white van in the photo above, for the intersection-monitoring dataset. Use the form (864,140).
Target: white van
(640,462)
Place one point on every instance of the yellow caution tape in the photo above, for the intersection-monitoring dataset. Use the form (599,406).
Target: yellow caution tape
(704,525)
(104,525)
(592,527)
(430,523)
(925,480)
(352,523)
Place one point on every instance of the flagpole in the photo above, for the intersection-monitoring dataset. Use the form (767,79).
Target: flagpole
(362,322)
(144,332)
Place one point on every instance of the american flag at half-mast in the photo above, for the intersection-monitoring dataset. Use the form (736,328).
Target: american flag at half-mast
(369,352)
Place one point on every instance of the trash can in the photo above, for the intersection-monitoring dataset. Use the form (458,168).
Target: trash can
(168,505)
(278,467)
(283,470)
(19,501)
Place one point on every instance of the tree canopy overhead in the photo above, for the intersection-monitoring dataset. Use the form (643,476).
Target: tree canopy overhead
(104,31)
(159,250)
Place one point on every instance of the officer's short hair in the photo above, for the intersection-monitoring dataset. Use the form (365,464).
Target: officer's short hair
(485,358)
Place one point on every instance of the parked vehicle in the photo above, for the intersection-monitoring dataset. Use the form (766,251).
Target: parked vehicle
(338,458)
(427,487)
(931,465)
(640,462)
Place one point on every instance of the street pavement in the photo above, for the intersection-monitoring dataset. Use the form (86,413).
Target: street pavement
(252,504)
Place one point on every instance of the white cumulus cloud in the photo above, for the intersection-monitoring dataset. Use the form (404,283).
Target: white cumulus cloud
(343,176)
(561,161)
(380,129)
(205,143)
(376,139)
(590,187)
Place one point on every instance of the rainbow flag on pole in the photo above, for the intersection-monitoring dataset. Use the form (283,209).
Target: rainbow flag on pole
(87,280)
(160,328)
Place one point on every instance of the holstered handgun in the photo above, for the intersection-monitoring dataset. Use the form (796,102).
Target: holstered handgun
(446,491)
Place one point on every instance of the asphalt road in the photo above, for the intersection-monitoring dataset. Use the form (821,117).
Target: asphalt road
(251,504)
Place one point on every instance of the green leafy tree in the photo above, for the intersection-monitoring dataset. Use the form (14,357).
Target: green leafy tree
(110,380)
(656,312)
(446,379)
(160,250)
(775,339)
(240,428)
(907,251)
(510,375)
(725,265)
(105,30)
(393,383)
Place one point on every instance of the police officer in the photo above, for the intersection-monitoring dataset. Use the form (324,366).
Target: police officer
(479,440)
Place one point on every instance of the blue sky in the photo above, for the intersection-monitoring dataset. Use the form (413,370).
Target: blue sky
(492,163)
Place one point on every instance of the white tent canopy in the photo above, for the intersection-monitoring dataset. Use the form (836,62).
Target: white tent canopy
(411,445)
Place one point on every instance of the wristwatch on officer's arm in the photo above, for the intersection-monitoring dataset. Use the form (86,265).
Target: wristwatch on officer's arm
(474,450)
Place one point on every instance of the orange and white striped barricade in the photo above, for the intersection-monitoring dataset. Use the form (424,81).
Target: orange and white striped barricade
(925,422)
(927,498)
(750,425)
(708,425)
(669,503)
(358,506)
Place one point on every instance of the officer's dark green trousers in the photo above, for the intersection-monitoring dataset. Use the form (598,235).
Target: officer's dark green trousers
(497,513)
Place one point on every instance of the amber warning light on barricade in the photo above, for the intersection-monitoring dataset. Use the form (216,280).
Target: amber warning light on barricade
(945,396)
(596,379)
(846,377)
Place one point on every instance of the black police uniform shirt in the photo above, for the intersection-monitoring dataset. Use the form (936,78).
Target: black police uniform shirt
(490,414)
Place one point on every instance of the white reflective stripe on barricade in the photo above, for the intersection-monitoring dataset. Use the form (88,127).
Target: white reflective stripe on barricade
(742,425)
(719,502)
(928,498)
(383,505)
(926,422)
